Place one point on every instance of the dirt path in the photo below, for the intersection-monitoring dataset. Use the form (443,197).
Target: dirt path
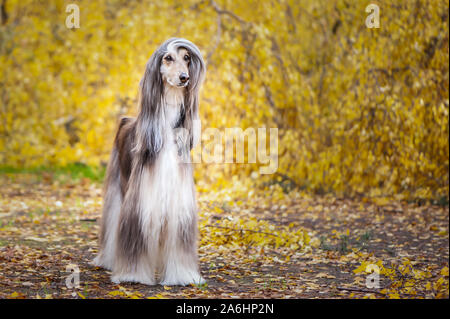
(260,246)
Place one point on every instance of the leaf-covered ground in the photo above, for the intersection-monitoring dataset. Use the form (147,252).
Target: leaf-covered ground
(253,244)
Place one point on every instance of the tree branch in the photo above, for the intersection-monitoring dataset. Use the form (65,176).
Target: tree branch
(218,36)
(226,12)
(242,229)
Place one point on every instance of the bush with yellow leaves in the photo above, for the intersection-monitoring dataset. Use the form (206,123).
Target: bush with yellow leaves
(359,110)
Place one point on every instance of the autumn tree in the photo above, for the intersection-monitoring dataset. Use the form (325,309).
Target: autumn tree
(359,110)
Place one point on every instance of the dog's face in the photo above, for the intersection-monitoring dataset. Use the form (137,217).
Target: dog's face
(175,67)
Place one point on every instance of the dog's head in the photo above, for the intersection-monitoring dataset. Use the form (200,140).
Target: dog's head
(175,67)
(182,63)
(178,63)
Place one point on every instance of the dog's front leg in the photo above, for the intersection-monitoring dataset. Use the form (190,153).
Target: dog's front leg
(180,251)
(132,262)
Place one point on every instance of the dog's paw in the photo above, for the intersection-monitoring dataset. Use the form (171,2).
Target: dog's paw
(99,262)
(188,279)
(117,279)
(96,262)
(201,281)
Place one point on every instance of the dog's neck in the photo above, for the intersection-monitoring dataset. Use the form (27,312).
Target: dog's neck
(172,103)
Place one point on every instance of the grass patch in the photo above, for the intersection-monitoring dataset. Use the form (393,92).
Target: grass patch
(345,244)
(73,172)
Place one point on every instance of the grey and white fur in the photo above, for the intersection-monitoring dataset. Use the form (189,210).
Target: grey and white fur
(149,220)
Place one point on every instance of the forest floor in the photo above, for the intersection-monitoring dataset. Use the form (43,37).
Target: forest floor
(257,245)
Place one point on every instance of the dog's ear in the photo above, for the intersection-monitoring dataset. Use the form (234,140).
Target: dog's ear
(149,122)
(190,114)
(191,100)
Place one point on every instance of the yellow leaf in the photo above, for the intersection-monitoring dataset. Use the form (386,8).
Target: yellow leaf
(157,296)
(361,268)
(394,296)
(117,293)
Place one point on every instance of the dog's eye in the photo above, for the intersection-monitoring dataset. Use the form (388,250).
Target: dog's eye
(168,58)
(187,58)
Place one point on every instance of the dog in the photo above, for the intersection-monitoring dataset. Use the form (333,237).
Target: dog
(149,229)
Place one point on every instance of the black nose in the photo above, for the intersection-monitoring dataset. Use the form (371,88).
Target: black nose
(184,77)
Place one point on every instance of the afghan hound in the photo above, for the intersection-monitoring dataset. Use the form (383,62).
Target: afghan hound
(149,221)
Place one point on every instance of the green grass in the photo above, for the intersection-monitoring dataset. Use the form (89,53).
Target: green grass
(72,172)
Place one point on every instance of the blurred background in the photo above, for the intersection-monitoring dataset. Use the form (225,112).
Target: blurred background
(359,110)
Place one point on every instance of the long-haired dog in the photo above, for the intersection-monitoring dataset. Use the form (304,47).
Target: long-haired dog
(149,225)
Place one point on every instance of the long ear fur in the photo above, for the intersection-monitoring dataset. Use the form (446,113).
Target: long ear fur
(197,71)
(149,130)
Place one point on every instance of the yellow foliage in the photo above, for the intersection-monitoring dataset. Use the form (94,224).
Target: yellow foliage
(358,110)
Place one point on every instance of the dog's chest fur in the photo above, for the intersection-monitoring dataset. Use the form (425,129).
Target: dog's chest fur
(173,100)
(174,191)
(168,189)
